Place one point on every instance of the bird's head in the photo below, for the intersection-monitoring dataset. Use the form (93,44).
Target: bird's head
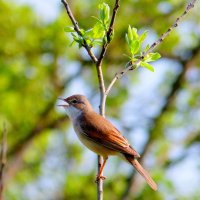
(76,105)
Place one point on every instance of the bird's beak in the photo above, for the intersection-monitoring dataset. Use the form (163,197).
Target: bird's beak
(66,105)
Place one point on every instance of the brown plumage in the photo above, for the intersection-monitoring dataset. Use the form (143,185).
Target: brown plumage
(100,136)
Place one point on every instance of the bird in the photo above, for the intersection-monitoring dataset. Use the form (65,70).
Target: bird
(101,136)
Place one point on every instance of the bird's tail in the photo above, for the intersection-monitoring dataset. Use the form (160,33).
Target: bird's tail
(141,170)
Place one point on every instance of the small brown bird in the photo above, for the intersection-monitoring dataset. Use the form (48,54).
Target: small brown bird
(100,136)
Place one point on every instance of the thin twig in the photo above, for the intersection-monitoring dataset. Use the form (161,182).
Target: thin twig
(101,57)
(78,30)
(131,66)
(102,112)
(100,181)
(102,88)
(3,159)
(109,32)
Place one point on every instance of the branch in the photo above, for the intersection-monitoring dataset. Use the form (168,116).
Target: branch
(101,57)
(78,30)
(109,32)
(102,88)
(132,65)
(3,159)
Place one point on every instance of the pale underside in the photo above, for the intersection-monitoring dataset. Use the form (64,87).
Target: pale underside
(102,138)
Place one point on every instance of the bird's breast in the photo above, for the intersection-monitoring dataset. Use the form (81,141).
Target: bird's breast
(92,145)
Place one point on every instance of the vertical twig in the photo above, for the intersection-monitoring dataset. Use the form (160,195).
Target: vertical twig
(3,159)
(109,34)
(102,112)
(102,87)
(98,63)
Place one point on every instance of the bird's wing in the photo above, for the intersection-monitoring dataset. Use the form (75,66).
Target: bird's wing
(105,134)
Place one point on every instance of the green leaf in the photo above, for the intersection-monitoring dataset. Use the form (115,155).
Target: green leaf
(98,31)
(104,12)
(69,29)
(134,47)
(88,33)
(147,65)
(72,43)
(130,34)
(132,40)
(97,42)
(127,40)
(95,35)
(89,42)
(82,31)
(96,18)
(134,60)
(75,36)
(101,12)
(147,47)
(107,12)
(152,57)
(143,36)
(77,39)
(128,56)
(134,33)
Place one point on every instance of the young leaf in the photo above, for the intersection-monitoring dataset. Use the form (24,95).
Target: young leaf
(128,56)
(75,37)
(97,42)
(134,47)
(82,31)
(107,12)
(127,39)
(98,31)
(104,12)
(133,60)
(69,29)
(134,33)
(143,36)
(147,65)
(130,34)
(147,47)
(152,57)
(101,12)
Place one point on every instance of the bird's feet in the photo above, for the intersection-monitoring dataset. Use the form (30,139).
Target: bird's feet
(100,177)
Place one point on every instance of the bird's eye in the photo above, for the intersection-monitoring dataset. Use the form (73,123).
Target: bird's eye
(74,101)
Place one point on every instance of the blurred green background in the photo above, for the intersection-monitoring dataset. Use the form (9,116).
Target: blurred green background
(158,112)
